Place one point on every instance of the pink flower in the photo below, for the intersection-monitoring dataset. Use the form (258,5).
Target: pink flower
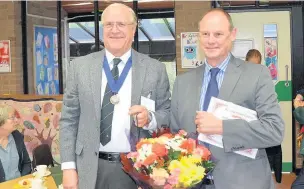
(202,152)
(137,165)
(182,133)
(168,186)
(173,179)
(159,181)
(132,155)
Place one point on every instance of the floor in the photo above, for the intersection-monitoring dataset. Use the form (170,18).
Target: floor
(287,180)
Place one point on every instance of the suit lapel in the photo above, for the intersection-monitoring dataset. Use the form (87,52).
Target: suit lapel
(138,77)
(95,80)
(199,77)
(232,75)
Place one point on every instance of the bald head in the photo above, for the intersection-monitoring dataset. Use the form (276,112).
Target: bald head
(218,11)
(124,9)
(216,35)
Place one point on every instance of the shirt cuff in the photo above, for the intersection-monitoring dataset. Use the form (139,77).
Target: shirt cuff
(152,125)
(68,165)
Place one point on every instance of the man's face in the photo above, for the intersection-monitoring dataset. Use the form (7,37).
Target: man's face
(118,30)
(215,36)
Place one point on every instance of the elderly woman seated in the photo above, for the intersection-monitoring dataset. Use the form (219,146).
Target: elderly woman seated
(14,158)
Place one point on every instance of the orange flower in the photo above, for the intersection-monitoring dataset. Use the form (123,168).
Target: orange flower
(202,152)
(159,149)
(150,160)
(168,135)
(140,143)
(188,145)
(160,163)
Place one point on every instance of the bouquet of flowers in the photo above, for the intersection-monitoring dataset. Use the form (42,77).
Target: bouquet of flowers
(168,161)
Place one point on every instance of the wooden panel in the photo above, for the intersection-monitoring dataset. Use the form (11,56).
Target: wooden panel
(30,97)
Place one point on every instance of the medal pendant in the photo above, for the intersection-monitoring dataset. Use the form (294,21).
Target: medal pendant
(114,99)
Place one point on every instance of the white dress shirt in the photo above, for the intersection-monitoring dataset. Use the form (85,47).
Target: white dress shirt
(121,119)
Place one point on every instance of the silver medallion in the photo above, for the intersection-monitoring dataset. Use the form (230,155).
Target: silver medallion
(114,99)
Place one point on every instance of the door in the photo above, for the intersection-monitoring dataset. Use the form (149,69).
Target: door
(269,33)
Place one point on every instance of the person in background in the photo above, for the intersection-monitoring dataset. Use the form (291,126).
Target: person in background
(14,158)
(274,153)
(298,114)
(254,56)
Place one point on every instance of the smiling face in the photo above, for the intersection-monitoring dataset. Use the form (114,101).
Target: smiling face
(216,36)
(118,29)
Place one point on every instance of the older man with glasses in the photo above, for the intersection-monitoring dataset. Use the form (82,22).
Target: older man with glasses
(106,91)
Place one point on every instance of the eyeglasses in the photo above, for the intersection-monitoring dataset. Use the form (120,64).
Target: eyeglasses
(119,25)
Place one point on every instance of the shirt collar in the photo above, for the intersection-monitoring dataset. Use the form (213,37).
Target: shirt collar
(124,58)
(222,66)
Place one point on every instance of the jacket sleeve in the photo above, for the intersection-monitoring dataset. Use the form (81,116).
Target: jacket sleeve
(26,164)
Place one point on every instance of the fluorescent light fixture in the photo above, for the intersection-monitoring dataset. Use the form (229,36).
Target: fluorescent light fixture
(77,4)
(143,1)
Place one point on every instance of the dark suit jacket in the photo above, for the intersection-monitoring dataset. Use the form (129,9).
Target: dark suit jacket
(24,159)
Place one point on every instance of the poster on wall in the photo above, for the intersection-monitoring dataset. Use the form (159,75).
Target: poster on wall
(241,47)
(271,56)
(5,56)
(191,54)
(46,60)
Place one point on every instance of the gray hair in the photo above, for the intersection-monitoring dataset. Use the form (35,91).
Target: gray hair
(4,114)
(119,5)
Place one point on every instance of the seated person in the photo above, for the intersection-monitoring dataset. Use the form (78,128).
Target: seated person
(14,158)
(254,56)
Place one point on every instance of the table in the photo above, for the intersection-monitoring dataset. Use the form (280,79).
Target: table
(49,182)
(57,174)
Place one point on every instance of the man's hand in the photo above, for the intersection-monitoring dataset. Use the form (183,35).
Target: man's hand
(141,114)
(207,123)
(298,101)
(70,179)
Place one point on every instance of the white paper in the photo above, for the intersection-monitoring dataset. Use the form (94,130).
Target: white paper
(148,103)
(241,47)
(227,110)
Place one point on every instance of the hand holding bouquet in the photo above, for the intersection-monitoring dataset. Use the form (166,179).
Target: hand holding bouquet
(168,161)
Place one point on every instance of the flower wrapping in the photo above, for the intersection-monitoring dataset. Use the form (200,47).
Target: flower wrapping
(168,161)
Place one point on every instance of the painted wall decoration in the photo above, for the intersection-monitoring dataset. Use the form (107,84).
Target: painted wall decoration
(271,56)
(271,50)
(39,123)
(46,60)
(191,54)
(5,56)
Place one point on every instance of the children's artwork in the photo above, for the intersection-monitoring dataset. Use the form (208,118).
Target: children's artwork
(55,48)
(38,121)
(45,60)
(271,56)
(5,56)
(191,53)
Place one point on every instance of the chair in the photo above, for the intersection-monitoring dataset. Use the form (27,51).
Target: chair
(42,155)
(275,160)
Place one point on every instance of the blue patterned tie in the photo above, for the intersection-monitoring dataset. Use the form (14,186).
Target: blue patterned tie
(108,108)
(212,89)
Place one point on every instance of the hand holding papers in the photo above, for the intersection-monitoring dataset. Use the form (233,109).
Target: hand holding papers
(227,110)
